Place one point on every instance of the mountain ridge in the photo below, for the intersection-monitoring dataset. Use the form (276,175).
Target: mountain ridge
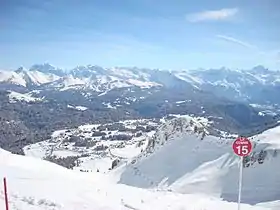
(184,157)
(112,94)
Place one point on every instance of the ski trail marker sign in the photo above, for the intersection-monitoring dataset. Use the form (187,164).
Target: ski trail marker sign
(241,147)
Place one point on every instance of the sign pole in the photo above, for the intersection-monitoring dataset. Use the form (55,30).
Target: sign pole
(241,147)
(240,181)
(6,193)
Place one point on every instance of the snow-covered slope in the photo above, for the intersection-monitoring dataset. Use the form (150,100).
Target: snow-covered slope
(34,184)
(37,77)
(96,146)
(80,108)
(68,82)
(27,97)
(258,85)
(11,77)
(183,157)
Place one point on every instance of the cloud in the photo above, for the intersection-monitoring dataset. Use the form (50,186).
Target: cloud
(272,56)
(214,15)
(237,41)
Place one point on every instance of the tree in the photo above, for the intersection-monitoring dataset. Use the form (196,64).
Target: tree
(138,134)
(203,135)
(191,123)
(74,138)
(246,161)
(166,136)
(262,156)
(115,163)
(274,153)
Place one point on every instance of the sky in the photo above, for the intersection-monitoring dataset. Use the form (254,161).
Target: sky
(165,34)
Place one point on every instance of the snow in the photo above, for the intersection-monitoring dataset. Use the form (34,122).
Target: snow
(24,77)
(12,77)
(142,84)
(261,106)
(270,137)
(58,133)
(40,185)
(273,205)
(88,127)
(35,150)
(102,160)
(15,96)
(127,73)
(80,108)
(127,152)
(181,102)
(108,105)
(71,81)
(64,153)
(177,171)
(199,120)
(102,94)
(186,164)
(95,163)
(38,77)
(185,76)
(261,114)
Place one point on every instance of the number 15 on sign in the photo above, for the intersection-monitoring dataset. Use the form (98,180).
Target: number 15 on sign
(241,147)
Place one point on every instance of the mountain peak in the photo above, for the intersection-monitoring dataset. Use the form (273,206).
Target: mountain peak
(260,69)
(44,66)
(21,69)
(47,68)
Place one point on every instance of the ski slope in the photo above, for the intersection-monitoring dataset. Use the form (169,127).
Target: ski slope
(180,161)
(34,184)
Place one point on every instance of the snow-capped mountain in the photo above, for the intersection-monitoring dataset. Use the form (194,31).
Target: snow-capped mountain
(12,78)
(47,69)
(89,77)
(36,78)
(236,100)
(258,85)
(183,156)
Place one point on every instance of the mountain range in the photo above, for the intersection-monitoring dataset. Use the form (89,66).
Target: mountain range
(163,136)
(44,98)
(257,85)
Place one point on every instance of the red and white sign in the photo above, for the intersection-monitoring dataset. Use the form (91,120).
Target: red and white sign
(242,146)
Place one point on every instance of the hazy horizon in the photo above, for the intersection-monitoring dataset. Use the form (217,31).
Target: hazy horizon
(139,67)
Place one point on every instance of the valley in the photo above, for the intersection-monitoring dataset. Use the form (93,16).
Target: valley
(44,98)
